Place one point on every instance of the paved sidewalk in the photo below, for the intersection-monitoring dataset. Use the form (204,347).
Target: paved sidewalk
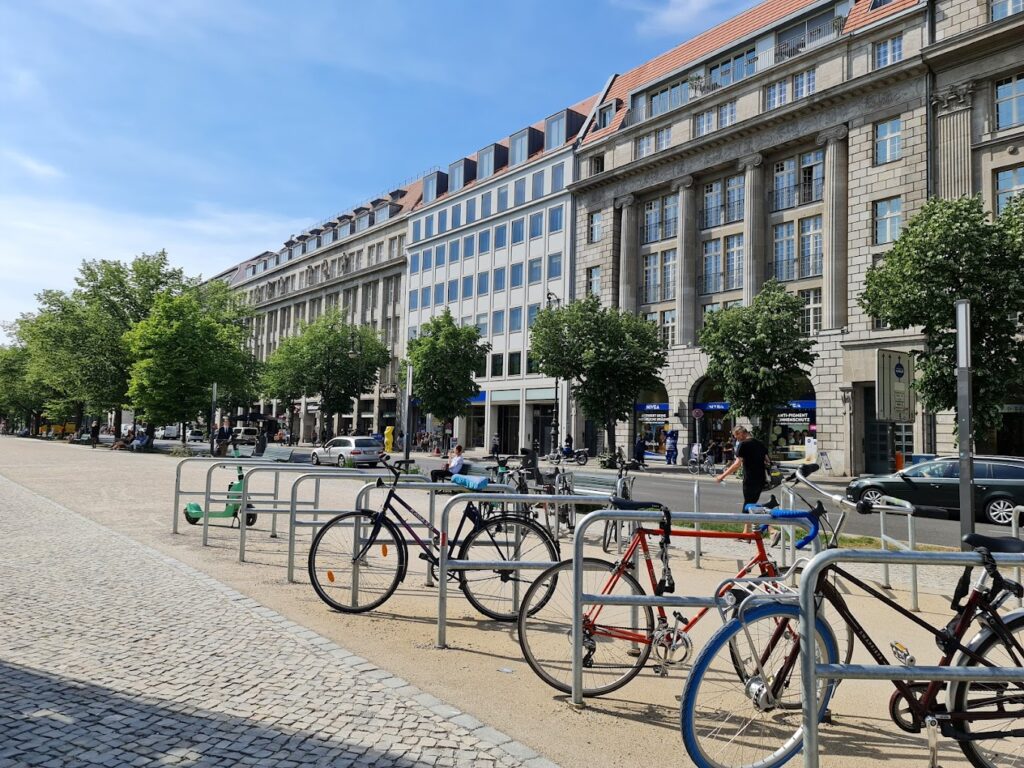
(114,654)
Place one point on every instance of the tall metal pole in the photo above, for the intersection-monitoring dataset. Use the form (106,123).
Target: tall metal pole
(213,418)
(965,429)
(407,442)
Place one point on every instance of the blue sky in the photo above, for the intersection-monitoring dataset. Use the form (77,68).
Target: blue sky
(216,128)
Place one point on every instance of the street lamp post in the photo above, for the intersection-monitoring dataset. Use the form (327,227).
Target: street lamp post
(553,303)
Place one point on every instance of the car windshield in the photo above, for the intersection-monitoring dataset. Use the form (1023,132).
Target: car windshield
(366,442)
(934,469)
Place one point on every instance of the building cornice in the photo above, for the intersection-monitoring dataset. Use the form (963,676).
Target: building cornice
(976,43)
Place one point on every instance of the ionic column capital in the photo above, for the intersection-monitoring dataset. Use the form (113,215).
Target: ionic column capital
(686,182)
(832,135)
(625,201)
(751,161)
(954,98)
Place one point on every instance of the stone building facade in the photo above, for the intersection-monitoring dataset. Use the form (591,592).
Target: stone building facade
(792,141)
(354,262)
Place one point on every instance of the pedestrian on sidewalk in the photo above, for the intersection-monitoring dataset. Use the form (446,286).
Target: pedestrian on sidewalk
(640,450)
(752,455)
(672,447)
(495,445)
(94,434)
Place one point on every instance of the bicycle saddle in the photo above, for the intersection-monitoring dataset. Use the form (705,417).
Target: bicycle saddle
(1005,544)
(620,503)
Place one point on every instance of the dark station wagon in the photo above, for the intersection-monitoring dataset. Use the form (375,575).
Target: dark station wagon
(998,486)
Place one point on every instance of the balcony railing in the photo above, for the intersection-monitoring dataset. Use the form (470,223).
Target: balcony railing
(717,215)
(797,194)
(700,86)
(710,282)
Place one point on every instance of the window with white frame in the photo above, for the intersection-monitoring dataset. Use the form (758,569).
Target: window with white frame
(643,146)
(502,198)
(456,176)
(733,69)
(888,140)
(555,219)
(485,205)
(669,216)
(810,247)
(652,221)
(888,219)
(888,52)
(668,275)
(536,224)
(711,277)
(776,94)
(662,138)
(803,84)
(596,165)
(733,262)
(430,188)
(485,163)
(519,192)
(668,327)
(784,251)
(594,228)
(604,116)
(711,213)
(1009,182)
(734,198)
(537,184)
(727,114)
(704,122)
(652,278)
(1003,8)
(1010,101)
(557,177)
(519,149)
(810,315)
(593,281)
(554,131)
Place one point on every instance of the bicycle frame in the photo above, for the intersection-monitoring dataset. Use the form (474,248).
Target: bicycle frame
(639,541)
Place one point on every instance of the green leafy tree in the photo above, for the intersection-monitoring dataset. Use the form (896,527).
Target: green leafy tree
(188,342)
(22,396)
(607,356)
(329,358)
(445,359)
(758,355)
(952,250)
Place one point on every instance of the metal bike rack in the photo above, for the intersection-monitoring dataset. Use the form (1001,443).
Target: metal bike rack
(445,565)
(899,507)
(810,671)
(207,460)
(673,601)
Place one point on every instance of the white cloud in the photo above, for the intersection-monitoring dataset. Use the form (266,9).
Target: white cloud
(31,166)
(43,242)
(680,17)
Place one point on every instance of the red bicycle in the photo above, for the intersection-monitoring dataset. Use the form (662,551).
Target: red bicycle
(618,640)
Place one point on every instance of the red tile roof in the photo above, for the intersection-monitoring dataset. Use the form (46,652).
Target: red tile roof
(761,16)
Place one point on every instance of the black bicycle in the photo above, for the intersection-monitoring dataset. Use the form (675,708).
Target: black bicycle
(358,559)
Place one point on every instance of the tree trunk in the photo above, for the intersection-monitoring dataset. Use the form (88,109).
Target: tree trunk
(118,423)
(609,428)
(79,415)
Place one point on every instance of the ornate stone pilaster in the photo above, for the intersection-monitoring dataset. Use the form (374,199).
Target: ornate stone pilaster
(686,261)
(953,139)
(628,268)
(753,226)
(834,227)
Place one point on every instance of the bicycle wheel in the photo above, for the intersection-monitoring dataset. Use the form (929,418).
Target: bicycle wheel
(693,466)
(728,720)
(498,593)
(349,585)
(991,708)
(545,631)
(610,534)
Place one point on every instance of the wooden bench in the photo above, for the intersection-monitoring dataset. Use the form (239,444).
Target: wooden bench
(603,484)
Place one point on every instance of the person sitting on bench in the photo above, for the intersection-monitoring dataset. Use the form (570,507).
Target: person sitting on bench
(453,467)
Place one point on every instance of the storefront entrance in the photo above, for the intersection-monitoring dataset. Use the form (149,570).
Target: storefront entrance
(508,428)
(543,418)
(475,437)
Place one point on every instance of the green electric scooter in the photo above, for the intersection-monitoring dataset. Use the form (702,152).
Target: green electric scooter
(194,511)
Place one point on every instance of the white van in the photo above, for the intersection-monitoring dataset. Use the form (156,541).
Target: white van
(245,435)
(170,432)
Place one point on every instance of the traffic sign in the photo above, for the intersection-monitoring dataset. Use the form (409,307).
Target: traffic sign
(894,394)
(698,414)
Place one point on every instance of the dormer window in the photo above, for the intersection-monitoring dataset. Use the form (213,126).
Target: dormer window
(485,162)
(345,228)
(363,221)
(455,177)
(382,214)
(519,149)
(604,116)
(434,185)
(554,131)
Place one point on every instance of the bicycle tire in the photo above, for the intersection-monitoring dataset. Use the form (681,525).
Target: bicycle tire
(693,466)
(959,691)
(497,593)
(610,532)
(380,568)
(703,719)
(544,632)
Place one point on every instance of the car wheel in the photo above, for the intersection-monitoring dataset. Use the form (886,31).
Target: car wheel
(315,459)
(999,511)
(872,495)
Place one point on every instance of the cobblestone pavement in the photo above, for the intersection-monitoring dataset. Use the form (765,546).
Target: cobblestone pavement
(114,654)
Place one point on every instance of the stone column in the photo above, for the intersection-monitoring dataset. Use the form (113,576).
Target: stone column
(753,226)
(627,253)
(953,140)
(686,262)
(834,228)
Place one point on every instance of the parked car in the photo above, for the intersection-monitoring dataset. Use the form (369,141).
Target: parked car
(196,436)
(245,435)
(170,432)
(158,433)
(361,451)
(998,486)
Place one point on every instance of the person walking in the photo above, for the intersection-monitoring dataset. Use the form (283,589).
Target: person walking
(672,447)
(495,445)
(752,455)
(94,434)
(453,467)
(223,437)
(640,450)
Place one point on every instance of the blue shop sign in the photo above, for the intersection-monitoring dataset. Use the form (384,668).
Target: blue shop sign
(479,397)
(716,405)
(651,407)
(792,405)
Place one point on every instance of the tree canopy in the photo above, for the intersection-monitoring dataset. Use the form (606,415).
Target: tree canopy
(187,342)
(952,250)
(607,356)
(757,355)
(328,358)
(445,359)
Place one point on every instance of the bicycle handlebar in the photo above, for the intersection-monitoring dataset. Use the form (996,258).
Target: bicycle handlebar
(810,515)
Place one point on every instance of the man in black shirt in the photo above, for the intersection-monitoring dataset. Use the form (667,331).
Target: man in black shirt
(753,457)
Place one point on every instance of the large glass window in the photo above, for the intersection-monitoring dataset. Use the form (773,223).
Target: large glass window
(776,94)
(711,214)
(1010,101)
(500,235)
(888,137)
(502,198)
(784,190)
(485,205)
(425,297)
(594,230)
(456,216)
(515,274)
(593,281)
(810,317)
(498,321)
(414,263)
(456,175)
(481,323)
(1003,8)
(734,198)
(467,286)
(652,279)
(888,218)
(554,266)
(414,299)
(519,192)
(668,327)
(704,123)
(557,177)
(727,114)
(439,253)
(485,163)
(471,210)
(497,362)
(1009,182)
(668,275)
(454,250)
(733,262)
(643,146)
(517,231)
(670,215)
(483,283)
(453,290)
(536,224)
(484,241)
(888,51)
(515,320)
(555,219)
(499,279)
(711,281)
(428,259)
(810,246)
(535,271)
(531,314)
(515,363)
(785,251)
(803,84)
(438,294)
(554,131)
(537,185)
(652,221)
(519,149)
(468,247)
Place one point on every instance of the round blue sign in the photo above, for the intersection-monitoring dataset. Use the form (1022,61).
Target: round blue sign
(899,370)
